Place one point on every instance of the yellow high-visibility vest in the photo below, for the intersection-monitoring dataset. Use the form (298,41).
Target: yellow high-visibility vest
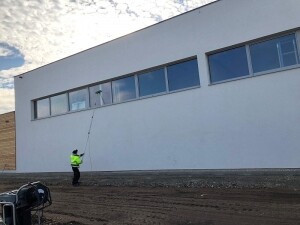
(75,160)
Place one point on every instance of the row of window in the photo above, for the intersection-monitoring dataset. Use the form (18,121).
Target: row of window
(252,59)
(162,80)
(235,63)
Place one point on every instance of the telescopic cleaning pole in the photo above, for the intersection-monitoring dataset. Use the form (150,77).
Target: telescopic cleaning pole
(91,123)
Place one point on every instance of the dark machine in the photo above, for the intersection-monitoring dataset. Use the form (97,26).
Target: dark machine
(16,206)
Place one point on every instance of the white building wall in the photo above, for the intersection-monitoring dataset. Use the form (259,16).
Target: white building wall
(248,123)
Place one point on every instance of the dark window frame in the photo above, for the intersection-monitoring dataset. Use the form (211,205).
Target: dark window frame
(67,105)
(243,49)
(136,85)
(247,45)
(88,105)
(148,73)
(182,64)
(119,92)
(35,108)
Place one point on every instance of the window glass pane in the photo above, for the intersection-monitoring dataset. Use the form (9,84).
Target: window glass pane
(264,56)
(289,50)
(103,97)
(79,99)
(95,95)
(41,108)
(124,89)
(183,75)
(273,54)
(152,82)
(59,104)
(228,64)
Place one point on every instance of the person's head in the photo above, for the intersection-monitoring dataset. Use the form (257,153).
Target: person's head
(75,151)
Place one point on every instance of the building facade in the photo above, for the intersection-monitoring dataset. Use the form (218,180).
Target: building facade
(7,141)
(214,88)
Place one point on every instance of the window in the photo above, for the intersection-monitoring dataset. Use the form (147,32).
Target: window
(59,104)
(274,54)
(152,82)
(163,79)
(79,99)
(183,75)
(100,94)
(228,64)
(267,55)
(124,89)
(41,108)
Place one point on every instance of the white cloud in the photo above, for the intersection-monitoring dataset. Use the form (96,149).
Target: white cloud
(5,51)
(45,31)
(7,100)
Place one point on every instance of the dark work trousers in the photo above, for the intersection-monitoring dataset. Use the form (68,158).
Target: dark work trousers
(76,175)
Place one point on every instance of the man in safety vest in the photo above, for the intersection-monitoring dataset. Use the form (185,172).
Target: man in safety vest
(75,163)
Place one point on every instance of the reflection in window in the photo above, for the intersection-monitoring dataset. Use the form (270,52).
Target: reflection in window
(183,75)
(273,54)
(229,64)
(79,99)
(162,80)
(101,94)
(41,108)
(59,104)
(152,82)
(124,89)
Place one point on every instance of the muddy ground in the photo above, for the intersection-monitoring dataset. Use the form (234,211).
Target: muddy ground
(256,197)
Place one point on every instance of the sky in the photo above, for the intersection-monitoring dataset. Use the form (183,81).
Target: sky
(34,33)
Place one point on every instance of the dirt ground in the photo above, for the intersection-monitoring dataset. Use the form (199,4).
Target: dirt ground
(170,198)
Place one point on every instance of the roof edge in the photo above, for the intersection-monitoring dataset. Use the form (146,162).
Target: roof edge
(104,43)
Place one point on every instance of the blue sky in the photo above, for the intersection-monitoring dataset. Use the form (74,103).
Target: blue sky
(10,57)
(34,33)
